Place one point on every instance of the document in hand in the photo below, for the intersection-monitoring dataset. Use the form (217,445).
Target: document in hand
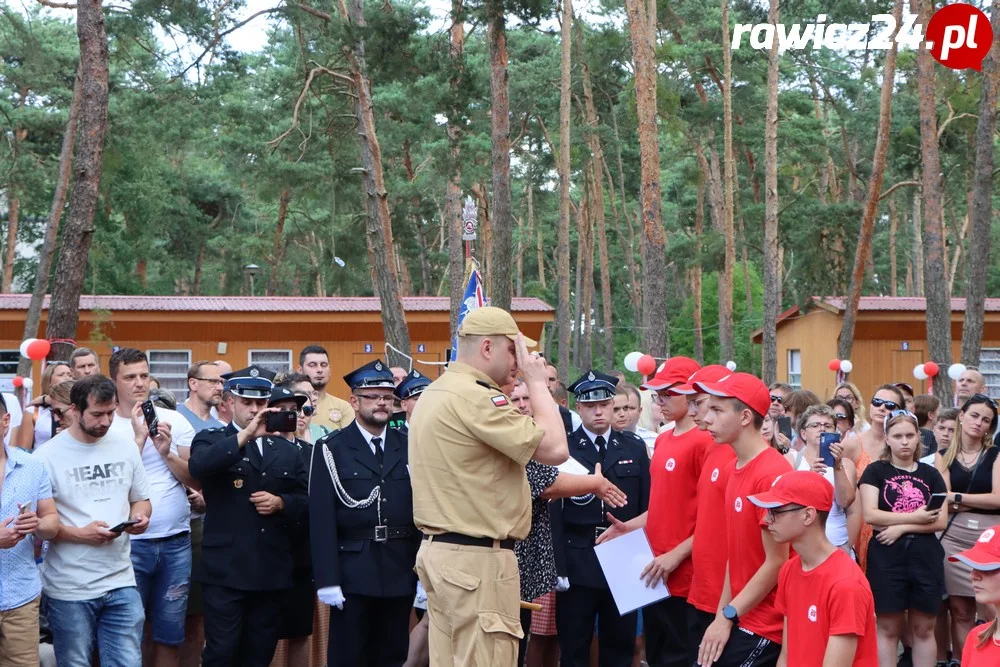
(572,467)
(623,560)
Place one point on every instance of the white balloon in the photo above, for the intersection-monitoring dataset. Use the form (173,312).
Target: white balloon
(28,383)
(955,371)
(846,366)
(632,361)
(24,346)
(731,365)
(918,372)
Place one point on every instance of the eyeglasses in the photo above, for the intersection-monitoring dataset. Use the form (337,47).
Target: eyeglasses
(850,398)
(211,380)
(377,398)
(58,412)
(889,405)
(840,416)
(826,425)
(772,515)
(777,399)
(307,410)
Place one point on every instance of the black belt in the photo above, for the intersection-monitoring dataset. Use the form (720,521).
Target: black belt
(151,540)
(597,531)
(378,533)
(467,541)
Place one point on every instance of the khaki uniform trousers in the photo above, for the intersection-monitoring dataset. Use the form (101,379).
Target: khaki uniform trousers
(473,602)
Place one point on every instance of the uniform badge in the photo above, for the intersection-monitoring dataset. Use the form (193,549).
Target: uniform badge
(499,401)
(378,365)
(591,377)
(335,415)
(416,374)
(237,483)
(254,372)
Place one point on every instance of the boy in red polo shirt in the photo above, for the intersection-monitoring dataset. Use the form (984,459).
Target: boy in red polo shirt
(747,628)
(827,602)
(708,553)
(670,519)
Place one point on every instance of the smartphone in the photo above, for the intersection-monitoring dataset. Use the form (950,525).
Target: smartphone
(283,421)
(937,501)
(123,525)
(785,427)
(825,440)
(152,422)
(22,508)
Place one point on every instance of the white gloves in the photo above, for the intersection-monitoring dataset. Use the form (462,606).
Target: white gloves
(421,594)
(332,595)
(562,584)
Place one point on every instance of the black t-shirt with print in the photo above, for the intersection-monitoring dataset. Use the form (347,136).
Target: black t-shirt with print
(901,491)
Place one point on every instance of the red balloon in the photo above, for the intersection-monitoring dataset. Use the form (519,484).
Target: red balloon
(18,381)
(646,364)
(39,349)
(834,365)
(931,369)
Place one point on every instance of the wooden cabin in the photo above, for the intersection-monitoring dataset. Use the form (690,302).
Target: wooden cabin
(176,331)
(890,338)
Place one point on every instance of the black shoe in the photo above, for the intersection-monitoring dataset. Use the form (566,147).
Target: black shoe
(906,659)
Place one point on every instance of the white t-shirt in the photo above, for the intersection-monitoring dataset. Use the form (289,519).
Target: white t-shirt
(166,493)
(16,413)
(91,483)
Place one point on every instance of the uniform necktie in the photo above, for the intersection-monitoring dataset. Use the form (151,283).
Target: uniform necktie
(602,449)
(377,444)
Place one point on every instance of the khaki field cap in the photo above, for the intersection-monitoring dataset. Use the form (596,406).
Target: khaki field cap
(490,321)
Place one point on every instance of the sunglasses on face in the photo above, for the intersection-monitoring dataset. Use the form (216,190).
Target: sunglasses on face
(307,410)
(889,405)
(900,413)
(777,399)
(840,416)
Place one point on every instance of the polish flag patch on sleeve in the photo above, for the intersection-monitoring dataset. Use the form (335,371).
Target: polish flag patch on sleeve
(499,401)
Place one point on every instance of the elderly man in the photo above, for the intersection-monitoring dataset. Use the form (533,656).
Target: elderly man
(468,448)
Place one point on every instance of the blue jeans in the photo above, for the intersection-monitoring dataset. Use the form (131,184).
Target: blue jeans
(163,576)
(115,618)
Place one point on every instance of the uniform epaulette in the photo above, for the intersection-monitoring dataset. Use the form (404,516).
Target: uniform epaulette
(631,435)
(329,436)
(487,385)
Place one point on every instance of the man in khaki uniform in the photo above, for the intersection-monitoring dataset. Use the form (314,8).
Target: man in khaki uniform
(467,451)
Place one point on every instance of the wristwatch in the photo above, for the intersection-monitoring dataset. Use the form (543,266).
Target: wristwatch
(958,499)
(729,613)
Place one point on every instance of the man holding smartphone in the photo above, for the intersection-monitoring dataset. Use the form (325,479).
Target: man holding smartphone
(24,486)
(256,486)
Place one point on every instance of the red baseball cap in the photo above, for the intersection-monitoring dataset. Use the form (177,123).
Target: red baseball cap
(674,370)
(747,388)
(800,487)
(710,373)
(984,554)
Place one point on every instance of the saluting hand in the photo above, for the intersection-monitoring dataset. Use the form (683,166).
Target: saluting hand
(532,365)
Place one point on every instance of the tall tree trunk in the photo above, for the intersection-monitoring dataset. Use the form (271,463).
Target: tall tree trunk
(600,224)
(699,225)
(278,246)
(981,213)
(893,228)
(642,26)
(726,346)
(48,249)
(540,246)
(519,286)
(13,221)
(562,234)
(634,271)
(93,120)
(587,250)
(453,200)
(500,286)
(378,227)
(918,241)
(935,280)
(578,290)
(772,306)
(871,203)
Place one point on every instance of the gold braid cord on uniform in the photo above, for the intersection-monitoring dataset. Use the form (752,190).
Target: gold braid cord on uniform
(342,494)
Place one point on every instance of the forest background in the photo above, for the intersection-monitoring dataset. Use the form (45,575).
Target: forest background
(337,156)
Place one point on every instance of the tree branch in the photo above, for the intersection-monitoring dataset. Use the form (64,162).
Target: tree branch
(901,184)
(274,143)
(57,5)
(218,37)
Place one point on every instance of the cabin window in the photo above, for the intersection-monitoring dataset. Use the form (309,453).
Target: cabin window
(278,361)
(8,369)
(989,366)
(170,367)
(795,368)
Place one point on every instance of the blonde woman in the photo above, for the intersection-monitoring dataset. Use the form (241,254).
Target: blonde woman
(36,427)
(969,469)
(848,391)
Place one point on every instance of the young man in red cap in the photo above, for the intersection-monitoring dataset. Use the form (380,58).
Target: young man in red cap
(747,628)
(708,554)
(827,602)
(670,519)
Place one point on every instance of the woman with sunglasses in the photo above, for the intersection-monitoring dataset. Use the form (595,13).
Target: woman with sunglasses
(982,643)
(37,425)
(969,469)
(905,559)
